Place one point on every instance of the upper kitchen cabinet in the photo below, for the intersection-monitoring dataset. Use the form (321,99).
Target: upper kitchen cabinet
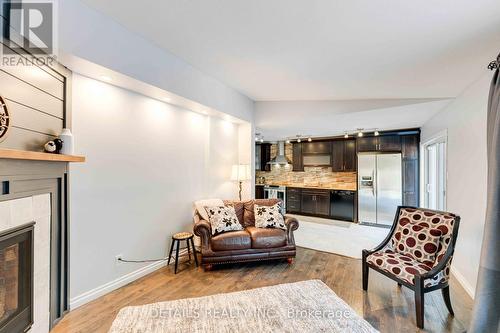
(343,155)
(297,163)
(317,153)
(367,143)
(409,146)
(389,143)
(350,156)
(262,157)
(318,147)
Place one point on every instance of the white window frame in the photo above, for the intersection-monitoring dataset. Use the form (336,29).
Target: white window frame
(442,137)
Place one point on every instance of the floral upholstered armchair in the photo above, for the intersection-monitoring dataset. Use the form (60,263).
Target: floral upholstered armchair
(417,253)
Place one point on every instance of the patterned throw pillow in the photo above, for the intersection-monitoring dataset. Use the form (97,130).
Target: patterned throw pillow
(269,217)
(222,219)
(419,242)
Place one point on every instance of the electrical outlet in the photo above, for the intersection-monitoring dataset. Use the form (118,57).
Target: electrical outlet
(117,259)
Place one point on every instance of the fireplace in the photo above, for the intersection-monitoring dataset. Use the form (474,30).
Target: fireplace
(16,279)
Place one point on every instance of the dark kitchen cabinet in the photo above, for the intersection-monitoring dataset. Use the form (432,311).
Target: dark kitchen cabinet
(307,203)
(318,147)
(343,155)
(389,143)
(410,145)
(263,156)
(367,143)
(350,156)
(315,202)
(323,204)
(259,191)
(297,162)
(338,148)
(293,199)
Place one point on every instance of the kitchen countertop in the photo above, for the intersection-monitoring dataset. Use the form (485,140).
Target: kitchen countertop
(320,187)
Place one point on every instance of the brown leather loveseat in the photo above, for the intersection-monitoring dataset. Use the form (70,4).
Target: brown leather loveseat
(250,244)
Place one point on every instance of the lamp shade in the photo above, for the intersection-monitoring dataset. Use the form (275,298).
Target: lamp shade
(241,172)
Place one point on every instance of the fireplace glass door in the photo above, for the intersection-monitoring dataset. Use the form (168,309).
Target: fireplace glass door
(16,279)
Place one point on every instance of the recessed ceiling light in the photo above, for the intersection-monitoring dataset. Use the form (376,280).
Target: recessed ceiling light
(377,133)
(167,99)
(105,78)
(261,140)
(360,134)
(346,136)
(287,141)
(298,140)
(309,139)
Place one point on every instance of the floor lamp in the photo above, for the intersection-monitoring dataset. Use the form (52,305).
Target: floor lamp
(241,173)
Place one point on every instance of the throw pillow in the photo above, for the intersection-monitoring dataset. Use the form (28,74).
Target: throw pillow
(419,242)
(200,205)
(269,217)
(222,219)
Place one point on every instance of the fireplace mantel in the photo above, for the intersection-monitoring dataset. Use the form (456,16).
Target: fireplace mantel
(38,156)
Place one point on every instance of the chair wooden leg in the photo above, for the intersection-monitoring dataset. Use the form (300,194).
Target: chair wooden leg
(208,267)
(176,257)
(170,252)
(189,250)
(446,296)
(419,301)
(365,271)
(289,260)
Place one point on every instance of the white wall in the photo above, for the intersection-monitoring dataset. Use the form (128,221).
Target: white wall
(147,161)
(465,121)
(88,34)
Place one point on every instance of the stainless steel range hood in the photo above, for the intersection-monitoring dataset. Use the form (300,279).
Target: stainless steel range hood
(280,157)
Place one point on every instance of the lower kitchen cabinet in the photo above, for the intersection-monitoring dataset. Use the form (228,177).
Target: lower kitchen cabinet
(259,191)
(293,200)
(315,202)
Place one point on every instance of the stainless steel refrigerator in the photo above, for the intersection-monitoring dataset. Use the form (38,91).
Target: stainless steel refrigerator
(379,187)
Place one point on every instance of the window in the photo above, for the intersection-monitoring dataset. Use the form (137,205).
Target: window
(435,173)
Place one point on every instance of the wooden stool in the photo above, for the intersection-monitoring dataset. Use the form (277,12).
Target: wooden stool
(176,239)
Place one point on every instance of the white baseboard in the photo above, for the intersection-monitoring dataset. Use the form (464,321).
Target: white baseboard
(460,278)
(115,284)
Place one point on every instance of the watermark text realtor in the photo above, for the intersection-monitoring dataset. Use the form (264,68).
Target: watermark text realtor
(29,29)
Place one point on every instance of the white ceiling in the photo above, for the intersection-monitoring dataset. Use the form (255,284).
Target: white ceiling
(280,120)
(323,49)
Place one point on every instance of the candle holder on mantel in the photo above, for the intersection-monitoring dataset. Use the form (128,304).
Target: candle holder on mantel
(241,173)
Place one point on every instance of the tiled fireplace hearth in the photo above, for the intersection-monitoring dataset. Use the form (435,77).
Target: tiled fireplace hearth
(16,279)
(25,250)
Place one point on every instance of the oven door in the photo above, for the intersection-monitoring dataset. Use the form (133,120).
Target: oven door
(269,193)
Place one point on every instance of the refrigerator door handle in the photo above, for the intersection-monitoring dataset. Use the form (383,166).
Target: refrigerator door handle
(374,182)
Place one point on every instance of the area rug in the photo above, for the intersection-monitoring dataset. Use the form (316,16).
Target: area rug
(307,306)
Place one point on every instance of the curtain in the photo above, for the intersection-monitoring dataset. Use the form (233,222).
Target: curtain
(486,312)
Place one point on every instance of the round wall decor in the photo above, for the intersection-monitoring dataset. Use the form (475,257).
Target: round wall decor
(4,120)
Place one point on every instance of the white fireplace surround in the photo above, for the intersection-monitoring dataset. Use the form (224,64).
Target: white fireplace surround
(15,213)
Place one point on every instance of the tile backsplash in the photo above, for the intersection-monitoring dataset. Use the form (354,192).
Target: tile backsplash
(311,176)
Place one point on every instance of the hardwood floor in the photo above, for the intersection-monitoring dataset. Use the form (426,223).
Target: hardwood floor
(387,307)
